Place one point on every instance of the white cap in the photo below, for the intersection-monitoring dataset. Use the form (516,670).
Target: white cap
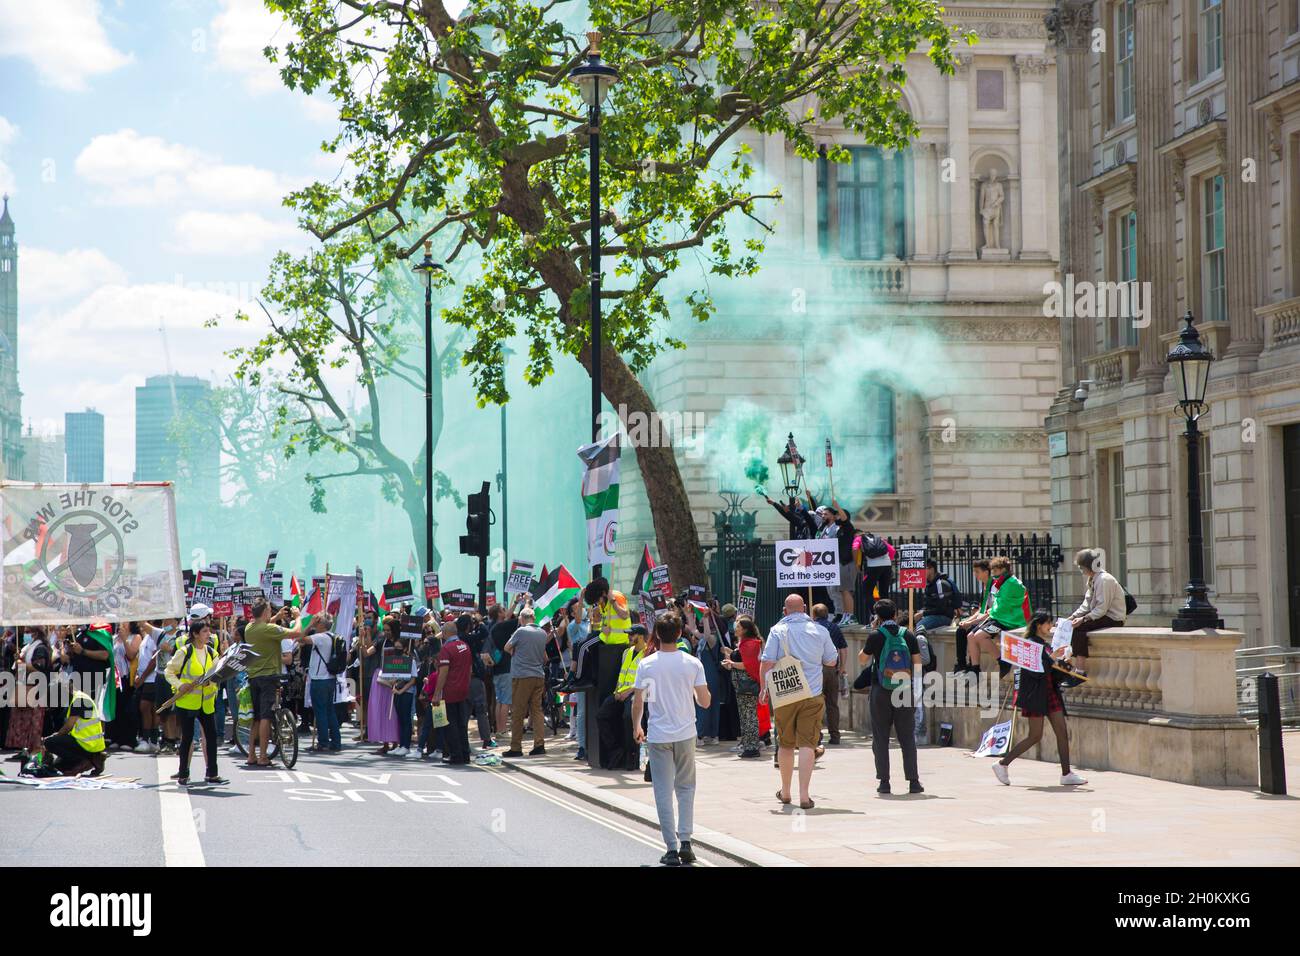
(200,611)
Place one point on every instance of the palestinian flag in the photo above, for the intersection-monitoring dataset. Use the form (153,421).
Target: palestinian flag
(383,601)
(643,583)
(535,590)
(600,497)
(413,567)
(314,602)
(295,592)
(100,639)
(554,591)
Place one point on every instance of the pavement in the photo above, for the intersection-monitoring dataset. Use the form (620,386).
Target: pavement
(353,809)
(964,818)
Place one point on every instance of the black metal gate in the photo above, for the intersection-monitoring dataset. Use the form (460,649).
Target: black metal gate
(1035,560)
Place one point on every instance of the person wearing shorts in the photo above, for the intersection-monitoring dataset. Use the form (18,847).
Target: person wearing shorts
(798,724)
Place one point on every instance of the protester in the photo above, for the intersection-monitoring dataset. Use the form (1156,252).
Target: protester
(964,627)
(940,601)
(432,741)
(743,666)
(618,746)
(894,657)
(798,724)
(833,674)
(671,682)
(877,565)
(78,745)
(121,730)
(197,704)
(1008,609)
(1038,695)
(33,668)
(502,628)
(527,648)
(1103,605)
(322,684)
(708,651)
(476,638)
(381,709)
(265,637)
(838,525)
(162,734)
(451,686)
(402,682)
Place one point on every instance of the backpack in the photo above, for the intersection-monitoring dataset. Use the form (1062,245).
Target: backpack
(894,665)
(1130,602)
(873,546)
(337,662)
(928,661)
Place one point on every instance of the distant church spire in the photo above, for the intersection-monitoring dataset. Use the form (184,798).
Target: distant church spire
(6,220)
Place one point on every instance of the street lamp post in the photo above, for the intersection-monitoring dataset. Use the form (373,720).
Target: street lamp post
(1190,361)
(426,268)
(791,464)
(594,79)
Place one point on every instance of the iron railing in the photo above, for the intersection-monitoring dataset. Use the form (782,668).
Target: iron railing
(1284,662)
(1035,559)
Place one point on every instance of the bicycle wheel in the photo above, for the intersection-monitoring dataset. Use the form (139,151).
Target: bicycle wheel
(285,732)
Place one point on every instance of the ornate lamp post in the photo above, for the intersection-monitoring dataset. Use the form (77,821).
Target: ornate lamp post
(426,267)
(594,79)
(1190,362)
(791,464)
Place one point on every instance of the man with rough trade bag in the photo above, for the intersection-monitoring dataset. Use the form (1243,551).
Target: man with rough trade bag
(797,649)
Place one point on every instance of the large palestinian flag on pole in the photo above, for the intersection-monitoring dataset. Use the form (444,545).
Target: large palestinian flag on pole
(643,583)
(600,497)
(554,591)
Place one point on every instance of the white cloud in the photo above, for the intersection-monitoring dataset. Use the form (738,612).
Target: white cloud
(8,133)
(138,170)
(47,277)
(63,39)
(218,233)
(241,31)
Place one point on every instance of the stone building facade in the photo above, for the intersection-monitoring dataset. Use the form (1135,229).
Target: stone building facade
(1180,162)
(888,317)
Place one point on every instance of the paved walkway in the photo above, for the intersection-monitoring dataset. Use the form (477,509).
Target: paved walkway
(964,818)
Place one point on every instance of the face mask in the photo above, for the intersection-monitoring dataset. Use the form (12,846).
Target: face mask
(28,638)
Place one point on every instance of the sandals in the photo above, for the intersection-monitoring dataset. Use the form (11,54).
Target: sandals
(807,806)
(785,801)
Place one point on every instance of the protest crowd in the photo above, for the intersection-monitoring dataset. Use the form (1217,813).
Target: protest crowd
(661,678)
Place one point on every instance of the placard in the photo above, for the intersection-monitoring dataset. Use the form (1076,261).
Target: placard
(747,603)
(394,668)
(697,597)
(995,740)
(807,563)
(911,565)
(520,578)
(221,568)
(1063,634)
(412,627)
(277,589)
(223,602)
(398,592)
(270,560)
(237,577)
(205,583)
(248,597)
(659,577)
(1022,652)
(459,601)
(490,594)
(431,591)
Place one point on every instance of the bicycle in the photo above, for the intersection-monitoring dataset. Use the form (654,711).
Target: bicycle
(553,704)
(284,728)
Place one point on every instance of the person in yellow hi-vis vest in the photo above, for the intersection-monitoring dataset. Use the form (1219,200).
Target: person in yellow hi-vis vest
(618,746)
(613,619)
(79,743)
(195,702)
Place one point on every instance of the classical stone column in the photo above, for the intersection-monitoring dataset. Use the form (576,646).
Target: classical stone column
(1155,208)
(925,181)
(1070,27)
(1245,61)
(962,200)
(1033,180)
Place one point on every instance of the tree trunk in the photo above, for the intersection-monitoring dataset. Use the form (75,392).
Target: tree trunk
(670,508)
(413,505)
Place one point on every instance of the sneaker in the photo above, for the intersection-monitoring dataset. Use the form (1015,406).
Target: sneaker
(686,854)
(1072,779)
(489,744)
(435,754)
(215,781)
(884,787)
(915,787)
(143,747)
(1000,772)
(537,752)
(508,753)
(401,752)
(849,620)
(750,754)
(671,858)
(581,754)
(737,749)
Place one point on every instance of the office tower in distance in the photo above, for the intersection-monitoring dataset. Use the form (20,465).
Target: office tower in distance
(84,435)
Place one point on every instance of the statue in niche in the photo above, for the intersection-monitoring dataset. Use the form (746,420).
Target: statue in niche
(991,199)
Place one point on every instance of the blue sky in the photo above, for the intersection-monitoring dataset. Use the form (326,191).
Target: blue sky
(146,145)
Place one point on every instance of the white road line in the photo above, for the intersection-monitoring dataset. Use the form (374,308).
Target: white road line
(582,811)
(181,845)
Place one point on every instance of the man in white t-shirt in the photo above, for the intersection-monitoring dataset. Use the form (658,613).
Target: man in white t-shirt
(321,684)
(673,684)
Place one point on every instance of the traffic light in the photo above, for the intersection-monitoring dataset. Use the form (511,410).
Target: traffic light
(475,541)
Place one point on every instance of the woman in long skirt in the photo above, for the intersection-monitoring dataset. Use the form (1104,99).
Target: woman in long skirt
(381,712)
(25,722)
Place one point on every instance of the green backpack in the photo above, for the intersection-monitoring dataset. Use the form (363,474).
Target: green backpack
(894,666)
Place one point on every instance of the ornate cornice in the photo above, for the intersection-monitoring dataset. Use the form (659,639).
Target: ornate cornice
(1000,24)
(1069,25)
(1033,65)
(987,439)
(978,330)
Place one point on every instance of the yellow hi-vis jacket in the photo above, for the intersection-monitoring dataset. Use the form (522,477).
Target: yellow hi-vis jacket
(187,667)
(627,671)
(87,731)
(616,620)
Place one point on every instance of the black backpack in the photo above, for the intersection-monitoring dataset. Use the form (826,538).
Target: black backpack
(337,662)
(1130,602)
(873,546)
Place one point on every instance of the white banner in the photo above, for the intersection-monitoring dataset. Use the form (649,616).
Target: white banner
(801,564)
(78,554)
(341,603)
